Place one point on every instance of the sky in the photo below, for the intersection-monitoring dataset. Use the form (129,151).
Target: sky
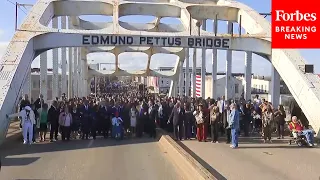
(138,61)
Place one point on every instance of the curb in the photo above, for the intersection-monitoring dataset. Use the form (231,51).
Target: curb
(189,167)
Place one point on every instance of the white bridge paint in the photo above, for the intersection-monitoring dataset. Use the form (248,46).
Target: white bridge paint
(35,37)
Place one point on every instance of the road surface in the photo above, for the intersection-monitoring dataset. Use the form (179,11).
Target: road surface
(255,160)
(137,159)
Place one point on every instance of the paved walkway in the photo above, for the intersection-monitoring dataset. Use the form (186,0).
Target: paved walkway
(101,159)
(255,160)
(14,129)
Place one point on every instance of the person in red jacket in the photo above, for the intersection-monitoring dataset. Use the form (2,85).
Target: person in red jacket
(296,127)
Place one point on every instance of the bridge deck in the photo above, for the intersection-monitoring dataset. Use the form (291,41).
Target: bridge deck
(254,160)
(134,159)
(13,130)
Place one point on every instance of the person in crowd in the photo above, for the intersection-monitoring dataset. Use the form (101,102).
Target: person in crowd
(39,102)
(161,113)
(177,116)
(226,121)
(133,118)
(153,114)
(279,117)
(264,105)
(43,121)
(24,102)
(94,124)
(104,115)
(27,120)
(188,121)
(267,119)
(53,120)
(126,107)
(246,119)
(200,120)
(85,114)
(36,123)
(117,126)
(214,121)
(257,102)
(143,117)
(92,116)
(233,123)
(296,127)
(65,122)
(75,127)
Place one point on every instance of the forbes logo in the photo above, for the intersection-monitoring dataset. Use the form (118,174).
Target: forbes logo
(296,16)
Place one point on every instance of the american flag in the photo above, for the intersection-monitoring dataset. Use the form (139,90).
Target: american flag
(155,82)
(198,86)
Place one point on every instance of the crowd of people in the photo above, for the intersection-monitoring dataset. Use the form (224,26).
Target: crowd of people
(132,114)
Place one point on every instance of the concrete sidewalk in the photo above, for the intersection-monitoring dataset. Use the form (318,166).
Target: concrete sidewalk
(256,160)
(14,129)
(14,132)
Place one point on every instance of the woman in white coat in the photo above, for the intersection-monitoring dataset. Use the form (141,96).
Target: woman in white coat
(27,120)
(133,118)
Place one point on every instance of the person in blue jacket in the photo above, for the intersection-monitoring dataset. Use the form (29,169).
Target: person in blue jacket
(117,126)
(234,118)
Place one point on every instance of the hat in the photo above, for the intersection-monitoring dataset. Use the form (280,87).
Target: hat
(28,108)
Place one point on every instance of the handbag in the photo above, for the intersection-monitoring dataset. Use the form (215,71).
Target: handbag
(199,118)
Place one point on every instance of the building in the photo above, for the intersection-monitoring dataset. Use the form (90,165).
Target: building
(237,87)
(35,85)
(164,83)
(259,84)
(263,85)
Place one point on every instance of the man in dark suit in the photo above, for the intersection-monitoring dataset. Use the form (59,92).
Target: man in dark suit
(153,112)
(24,102)
(39,102)
(177,116)
(53,120)
(85,112)
(105,119)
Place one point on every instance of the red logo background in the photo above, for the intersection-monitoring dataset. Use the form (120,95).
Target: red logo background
(291,6)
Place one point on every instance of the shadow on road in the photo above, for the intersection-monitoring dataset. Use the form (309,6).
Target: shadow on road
(33,179)
(270,146)
(17,148)
(18,161)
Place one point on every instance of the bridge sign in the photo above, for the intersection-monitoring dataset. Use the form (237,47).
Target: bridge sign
(162,41)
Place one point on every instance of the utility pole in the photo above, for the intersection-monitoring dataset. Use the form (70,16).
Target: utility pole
(16,14)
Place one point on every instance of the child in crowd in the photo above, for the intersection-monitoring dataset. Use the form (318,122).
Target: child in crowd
(117,126)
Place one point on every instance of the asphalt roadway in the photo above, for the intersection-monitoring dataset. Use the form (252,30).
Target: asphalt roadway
(256,160)
(100,159)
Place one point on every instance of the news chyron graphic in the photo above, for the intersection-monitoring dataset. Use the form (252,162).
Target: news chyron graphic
(295,24)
